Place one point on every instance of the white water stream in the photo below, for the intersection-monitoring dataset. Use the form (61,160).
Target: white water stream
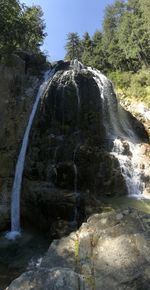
(120,131)
(77,94)
(76,192)
(129,167)
(76,66)
(16,189)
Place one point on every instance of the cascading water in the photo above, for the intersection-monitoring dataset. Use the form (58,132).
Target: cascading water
(54,164)
(62,88)
(77,194)
(15,203)
(129,167)
(114,120)
(63,106)
(100,80)
(75,168)
(119,131)
(77,89)
(76,66)
(139,185)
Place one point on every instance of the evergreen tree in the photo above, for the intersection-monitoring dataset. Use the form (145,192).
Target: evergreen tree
(73,46)
(87,49)
(10,12)
(114,54)
(32,28)
(134,37)
(20,27)
(98,59)
(145,9)
(123,44)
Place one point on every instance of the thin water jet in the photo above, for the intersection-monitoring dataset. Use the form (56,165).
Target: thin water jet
(76,192)
(15,199)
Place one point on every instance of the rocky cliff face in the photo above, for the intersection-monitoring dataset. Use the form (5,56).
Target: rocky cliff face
(17,92)
(81,145)
(72,155)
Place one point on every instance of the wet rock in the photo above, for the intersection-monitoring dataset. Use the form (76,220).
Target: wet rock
(73,137)
(43,205)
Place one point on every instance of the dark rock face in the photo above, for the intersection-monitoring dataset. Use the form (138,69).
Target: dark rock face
(72,137)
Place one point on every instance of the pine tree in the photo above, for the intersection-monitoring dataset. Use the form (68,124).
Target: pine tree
(98,59)
(32,28)
(10,11)
(124,42)
(111,47)
(87,49)
(134,37)
(20,27)
(73,46)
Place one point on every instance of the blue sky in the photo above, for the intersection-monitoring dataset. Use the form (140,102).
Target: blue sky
(64,16)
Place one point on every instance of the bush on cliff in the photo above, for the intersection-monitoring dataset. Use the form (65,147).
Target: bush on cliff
(135,86)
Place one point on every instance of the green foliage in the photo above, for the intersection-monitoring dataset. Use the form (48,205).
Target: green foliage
(145,8)
(32,28)
(73,46)
(132,85)
(99,57)
(76,249)
(133,36)
(124,42)
(122,80)
(139,84)
(87,49)
(10,12)
(20,27)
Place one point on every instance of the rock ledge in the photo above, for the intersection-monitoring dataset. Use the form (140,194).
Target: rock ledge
(110,251)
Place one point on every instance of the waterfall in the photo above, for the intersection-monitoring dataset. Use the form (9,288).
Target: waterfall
(76,193)
(136,172)
(62,87)
(76,65)
(77,94)
(63,107)
(15,199)
(54,165)
(100,80)
(77,90)
(114,118)
(75,177)
(120,131)
(129,166)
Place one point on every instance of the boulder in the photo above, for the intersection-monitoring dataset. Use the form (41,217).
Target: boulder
(110,251)
(56,279)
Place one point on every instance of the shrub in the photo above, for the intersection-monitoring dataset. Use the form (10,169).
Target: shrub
(133,86)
